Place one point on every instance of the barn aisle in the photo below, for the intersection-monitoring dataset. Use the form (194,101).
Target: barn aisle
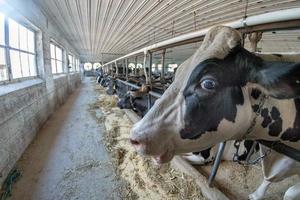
(67,160)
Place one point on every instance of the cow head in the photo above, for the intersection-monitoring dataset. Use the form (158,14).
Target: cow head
(209,101)
(125,102)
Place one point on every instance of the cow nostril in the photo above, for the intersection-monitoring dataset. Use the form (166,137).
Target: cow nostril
(134,142)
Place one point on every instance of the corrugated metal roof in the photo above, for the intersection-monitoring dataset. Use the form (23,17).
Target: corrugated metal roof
(109,28)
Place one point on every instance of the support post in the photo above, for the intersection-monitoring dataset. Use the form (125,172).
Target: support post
(150,68)
(216,163)
(254,38)
(123,64)
(163,66)
(135,65)
(117,68)
(144,66)
(126,72)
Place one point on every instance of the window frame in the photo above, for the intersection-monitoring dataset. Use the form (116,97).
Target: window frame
(56,44)
(8,48)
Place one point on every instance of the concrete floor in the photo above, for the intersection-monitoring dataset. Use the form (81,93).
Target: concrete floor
(67,160)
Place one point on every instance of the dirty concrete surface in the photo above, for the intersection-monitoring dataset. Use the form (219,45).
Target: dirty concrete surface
(67,159)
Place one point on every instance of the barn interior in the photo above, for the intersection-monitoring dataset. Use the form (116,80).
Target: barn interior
(75,75)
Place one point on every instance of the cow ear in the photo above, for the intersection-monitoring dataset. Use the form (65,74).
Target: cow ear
(279,80)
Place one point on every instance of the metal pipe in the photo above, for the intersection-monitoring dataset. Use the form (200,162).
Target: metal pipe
(123,64)
(135,65)
(282,148)
(126,71)
(150,67)
(251,152)
(149,101)
(117,68)
(144,66)
(276,16)
(216,163)
(129,84)
(163,55)
(155,94)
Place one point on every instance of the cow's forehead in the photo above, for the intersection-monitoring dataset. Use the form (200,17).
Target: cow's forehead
(217,43)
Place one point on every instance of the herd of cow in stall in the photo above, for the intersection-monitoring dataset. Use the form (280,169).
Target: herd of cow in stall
(174,126)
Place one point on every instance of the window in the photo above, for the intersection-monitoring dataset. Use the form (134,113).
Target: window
(88,66)
(77,63)
(71,63)
(17,49)
(21,50)
(3,67)
(96,65)
(2,39)
(56,59)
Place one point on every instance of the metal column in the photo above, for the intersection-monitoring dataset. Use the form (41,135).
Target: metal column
(144,67)
(135,66)
(126,72)
(149,79)
(163,66)
(117,68)
(216,163)
(123,64)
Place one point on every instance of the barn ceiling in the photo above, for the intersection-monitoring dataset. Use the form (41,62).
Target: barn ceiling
(106,29)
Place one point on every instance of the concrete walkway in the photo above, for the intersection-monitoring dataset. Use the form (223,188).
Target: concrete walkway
(67,160)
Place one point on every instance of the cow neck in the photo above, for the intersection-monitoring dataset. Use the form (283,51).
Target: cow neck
(261,102)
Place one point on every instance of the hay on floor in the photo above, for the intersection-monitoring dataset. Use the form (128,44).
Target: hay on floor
(144,179)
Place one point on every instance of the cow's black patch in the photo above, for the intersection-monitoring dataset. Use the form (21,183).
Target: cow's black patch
(255,93)
(275,128)
(248,145)
(275,114)
(266,118)
(255,108)
(206,153)
(264,112)
(293,134)
(278,55)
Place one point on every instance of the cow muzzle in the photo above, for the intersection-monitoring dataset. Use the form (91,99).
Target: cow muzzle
(161,152)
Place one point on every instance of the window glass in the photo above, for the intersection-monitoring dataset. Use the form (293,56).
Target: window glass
(13,33)
(52,50)
(31,43)
(70,57)
(53,66)
(59,66)
(56,59)
(96,65)
(2,32)
(23,38)
(32,65)
(2,56)
(58,53)
(3,69)
(25,64)
(15,64)
(88,66)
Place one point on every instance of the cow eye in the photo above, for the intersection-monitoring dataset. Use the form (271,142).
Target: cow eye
(208,84)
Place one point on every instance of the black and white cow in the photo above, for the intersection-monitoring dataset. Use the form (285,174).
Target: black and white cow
(216,96)
(135,100)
